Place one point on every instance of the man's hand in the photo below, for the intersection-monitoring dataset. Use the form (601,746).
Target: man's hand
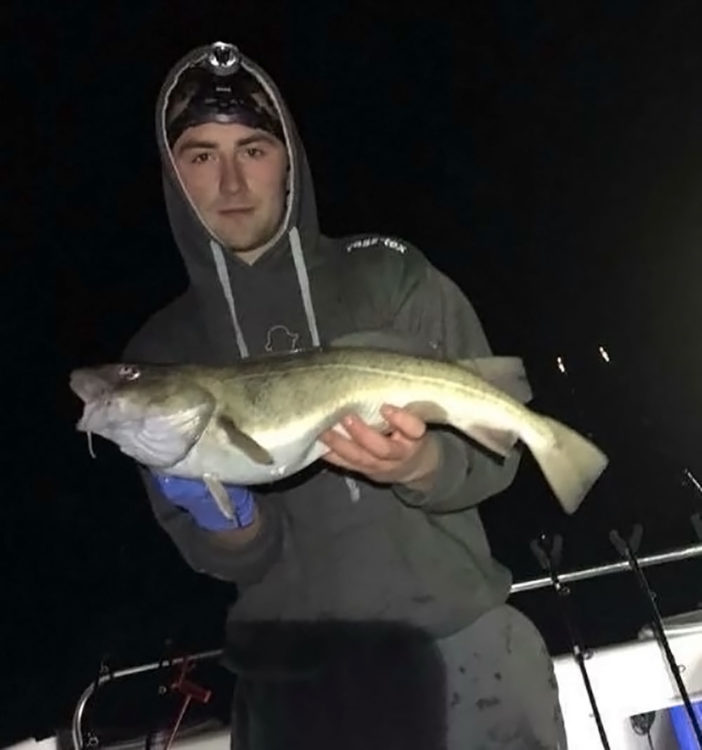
(407,455)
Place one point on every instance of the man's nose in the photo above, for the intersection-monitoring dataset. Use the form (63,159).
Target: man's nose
(231,177)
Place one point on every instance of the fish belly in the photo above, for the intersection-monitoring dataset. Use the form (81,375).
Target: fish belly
(230,465)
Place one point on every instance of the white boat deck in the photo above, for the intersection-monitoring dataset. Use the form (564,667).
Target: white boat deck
(629,679)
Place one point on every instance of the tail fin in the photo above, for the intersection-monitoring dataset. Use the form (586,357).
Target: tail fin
(571,465)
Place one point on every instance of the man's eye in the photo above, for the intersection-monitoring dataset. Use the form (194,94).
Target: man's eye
(255,152)
(201,158)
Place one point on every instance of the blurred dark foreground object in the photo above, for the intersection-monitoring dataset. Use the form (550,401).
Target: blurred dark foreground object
(371,685)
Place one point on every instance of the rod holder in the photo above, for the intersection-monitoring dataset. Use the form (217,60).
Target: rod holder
(627,549)
(549,553)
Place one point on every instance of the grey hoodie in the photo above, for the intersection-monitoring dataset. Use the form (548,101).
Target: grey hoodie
(330,546)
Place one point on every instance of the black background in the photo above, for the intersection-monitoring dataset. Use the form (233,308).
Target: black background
(546,155)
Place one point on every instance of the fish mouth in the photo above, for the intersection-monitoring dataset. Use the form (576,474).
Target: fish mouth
(87,388)
(93,417)
(93,390)
(103,413)
(127,435)
(153,439)
(99,418)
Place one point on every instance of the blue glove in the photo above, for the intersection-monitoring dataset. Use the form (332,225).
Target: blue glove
(194,496)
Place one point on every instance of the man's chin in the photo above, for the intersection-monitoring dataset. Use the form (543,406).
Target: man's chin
(243,237)
(244,245)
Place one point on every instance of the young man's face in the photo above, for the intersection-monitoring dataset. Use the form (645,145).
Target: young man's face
(236,178)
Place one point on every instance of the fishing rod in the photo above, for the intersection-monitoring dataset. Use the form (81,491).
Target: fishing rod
(627,548)
(549,560)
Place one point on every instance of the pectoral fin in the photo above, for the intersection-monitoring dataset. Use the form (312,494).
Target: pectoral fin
(244,442)
(219,495)
(506,373)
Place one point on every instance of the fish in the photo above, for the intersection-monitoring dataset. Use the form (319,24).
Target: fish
(260,420)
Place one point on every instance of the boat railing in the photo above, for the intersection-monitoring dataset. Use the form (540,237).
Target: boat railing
(685,622)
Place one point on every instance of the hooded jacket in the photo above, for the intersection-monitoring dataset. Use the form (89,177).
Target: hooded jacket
(329,546)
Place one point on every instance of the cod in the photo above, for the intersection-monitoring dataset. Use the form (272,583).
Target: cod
(260,420)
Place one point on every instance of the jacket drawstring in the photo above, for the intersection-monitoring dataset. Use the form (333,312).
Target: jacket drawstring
(304,283)
(223,276)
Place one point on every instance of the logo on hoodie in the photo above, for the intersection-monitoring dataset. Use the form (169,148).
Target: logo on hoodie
(371,241)
(281,339)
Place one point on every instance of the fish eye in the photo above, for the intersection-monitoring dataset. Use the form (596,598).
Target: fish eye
(129,372)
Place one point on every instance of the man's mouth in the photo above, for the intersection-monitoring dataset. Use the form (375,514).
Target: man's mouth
(236,211)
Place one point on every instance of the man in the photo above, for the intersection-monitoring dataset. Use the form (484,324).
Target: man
(376,557)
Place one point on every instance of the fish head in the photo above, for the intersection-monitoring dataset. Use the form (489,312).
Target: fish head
(153,413)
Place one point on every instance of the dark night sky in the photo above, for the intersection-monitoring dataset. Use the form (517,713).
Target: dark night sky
(546,155)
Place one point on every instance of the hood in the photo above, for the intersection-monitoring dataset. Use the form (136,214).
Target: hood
(210,266)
